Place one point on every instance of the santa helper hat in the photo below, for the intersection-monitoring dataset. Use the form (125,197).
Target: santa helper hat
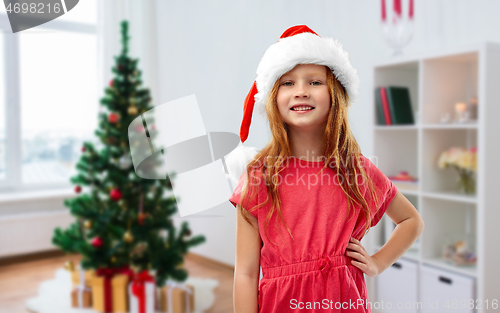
(297,45)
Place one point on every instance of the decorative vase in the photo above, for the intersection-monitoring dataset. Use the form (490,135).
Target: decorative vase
(399,32)
(465,182)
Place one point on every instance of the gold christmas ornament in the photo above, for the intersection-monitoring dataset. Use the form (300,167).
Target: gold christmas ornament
(69,266)
(128,238)
(132,110)
(87,224)
(113,260)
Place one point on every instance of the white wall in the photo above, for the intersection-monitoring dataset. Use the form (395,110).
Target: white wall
(212,49)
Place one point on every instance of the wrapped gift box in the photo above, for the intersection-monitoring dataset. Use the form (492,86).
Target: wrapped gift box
(142,291)
(181,296)
(85,301)
(81,295)
(75,277)
(117,300)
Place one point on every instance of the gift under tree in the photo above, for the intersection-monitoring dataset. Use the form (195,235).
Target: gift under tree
(122,220)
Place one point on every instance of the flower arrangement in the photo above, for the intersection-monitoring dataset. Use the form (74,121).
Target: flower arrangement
(465,162)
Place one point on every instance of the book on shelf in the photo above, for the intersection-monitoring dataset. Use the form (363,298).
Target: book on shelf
(383,114)
(393,106)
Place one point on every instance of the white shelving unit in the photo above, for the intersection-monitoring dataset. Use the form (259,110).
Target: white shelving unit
(436,82)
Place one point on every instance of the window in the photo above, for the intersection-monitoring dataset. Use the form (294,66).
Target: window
(53,101)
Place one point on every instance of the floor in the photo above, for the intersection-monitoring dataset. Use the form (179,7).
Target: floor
(19,281)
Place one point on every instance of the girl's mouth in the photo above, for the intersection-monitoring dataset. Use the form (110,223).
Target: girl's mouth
(302,110)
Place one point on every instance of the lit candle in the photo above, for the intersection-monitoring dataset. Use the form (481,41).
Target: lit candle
(397,7)
(383,11)
(460,107)
(460,111)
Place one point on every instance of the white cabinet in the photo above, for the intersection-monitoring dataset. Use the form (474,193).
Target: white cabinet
(397,287)
(437,81)
(443,291)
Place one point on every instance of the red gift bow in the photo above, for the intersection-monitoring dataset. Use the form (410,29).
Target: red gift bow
(138,288)
(108,273)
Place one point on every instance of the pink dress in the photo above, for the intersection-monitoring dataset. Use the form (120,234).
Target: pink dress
(312,272)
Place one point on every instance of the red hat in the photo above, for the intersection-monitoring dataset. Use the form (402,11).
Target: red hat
(297,45)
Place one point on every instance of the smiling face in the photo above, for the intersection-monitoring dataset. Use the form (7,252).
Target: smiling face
(304,87)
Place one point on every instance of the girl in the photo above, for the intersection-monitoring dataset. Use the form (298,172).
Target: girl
(313,180)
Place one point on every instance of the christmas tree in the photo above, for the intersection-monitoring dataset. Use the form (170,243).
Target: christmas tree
(122,219)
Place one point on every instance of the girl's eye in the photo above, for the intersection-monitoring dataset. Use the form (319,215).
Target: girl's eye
(285,83)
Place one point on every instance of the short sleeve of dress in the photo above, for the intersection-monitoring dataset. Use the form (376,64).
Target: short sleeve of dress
(252,196)
(384,188)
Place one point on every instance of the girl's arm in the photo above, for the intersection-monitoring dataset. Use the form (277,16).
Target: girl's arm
(409,226)
(247,269)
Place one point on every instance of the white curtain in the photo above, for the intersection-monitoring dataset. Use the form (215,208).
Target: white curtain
(142,44)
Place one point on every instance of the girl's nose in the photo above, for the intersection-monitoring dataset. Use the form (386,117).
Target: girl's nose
(301,91)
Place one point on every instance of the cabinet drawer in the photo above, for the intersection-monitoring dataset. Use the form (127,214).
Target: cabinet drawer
(397,288)
(443,291)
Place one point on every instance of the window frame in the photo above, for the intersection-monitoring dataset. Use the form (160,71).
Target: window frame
(12,99)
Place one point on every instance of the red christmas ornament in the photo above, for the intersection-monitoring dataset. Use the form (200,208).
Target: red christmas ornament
(83,149)
(78,189)
(97,242)
(113,117)
(115,194)
(141,218)
(111,83)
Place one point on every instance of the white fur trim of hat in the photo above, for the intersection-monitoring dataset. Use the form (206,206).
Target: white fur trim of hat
(304,48)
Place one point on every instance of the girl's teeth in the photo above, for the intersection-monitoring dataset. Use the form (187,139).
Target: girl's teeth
(302,109)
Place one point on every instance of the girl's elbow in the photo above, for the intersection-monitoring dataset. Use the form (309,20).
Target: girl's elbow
(247,273)
(421,226)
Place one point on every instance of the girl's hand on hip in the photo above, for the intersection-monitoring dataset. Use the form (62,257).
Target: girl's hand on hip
(364,261)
